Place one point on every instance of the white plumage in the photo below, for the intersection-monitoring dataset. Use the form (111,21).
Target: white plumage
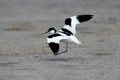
(67,33)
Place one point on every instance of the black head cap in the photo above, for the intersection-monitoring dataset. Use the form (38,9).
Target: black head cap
(52,28)
(83,18)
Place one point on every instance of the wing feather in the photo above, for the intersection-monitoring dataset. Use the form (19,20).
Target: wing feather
(74,39)
(54,40)
(71,22)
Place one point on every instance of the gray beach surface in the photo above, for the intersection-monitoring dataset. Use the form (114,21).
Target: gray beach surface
(25,55)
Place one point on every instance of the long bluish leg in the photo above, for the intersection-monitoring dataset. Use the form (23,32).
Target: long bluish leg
(63,51)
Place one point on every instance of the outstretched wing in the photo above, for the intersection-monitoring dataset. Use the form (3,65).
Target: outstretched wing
(71,22)
(54,40)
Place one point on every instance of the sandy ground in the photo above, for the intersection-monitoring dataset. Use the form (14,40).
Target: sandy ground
(25,55)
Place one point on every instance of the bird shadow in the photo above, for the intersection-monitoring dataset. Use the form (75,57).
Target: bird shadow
(59,59)
(100,54)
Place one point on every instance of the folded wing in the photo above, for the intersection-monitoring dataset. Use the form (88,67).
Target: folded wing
(54,40)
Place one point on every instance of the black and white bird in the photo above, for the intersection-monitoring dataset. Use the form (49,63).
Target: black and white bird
(66,34)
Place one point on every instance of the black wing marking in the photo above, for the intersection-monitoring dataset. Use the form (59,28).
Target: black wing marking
(68,21)
(83,18)
(53,35)
(54,47)
(67,32)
